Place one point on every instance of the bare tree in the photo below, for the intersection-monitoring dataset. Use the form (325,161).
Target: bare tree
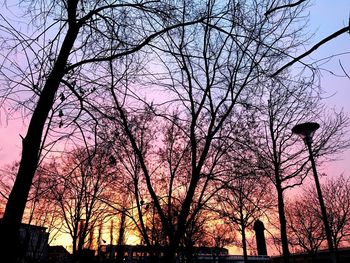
(246,198)
(67,37)
(336,197)
(8,173)
(205,73)
(218,235)
(75,186)
(305,228)
(196,234)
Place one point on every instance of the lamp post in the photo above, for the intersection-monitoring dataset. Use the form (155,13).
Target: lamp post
(306,132)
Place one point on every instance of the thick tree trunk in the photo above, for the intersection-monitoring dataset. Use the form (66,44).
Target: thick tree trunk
(280,200)
(15,207)
(283,221)
(120,243)
(75,249)
(244,244)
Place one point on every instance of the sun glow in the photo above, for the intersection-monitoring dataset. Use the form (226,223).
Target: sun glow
(132,240)
(63,240)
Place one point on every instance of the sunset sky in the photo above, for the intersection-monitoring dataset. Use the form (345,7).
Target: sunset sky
(326,17)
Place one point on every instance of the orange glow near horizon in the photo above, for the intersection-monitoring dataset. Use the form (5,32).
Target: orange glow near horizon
(65,240)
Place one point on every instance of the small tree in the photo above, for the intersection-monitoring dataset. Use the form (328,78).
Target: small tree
(246,198)
(305,219)
(336,197)
(306,230)
(75,186)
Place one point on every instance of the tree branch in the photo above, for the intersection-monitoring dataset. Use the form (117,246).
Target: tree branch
(268,12)
(312,49)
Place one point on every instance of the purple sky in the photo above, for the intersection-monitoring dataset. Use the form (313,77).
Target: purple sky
(326,17)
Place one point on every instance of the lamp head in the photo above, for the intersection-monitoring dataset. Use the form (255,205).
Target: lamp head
(306,130)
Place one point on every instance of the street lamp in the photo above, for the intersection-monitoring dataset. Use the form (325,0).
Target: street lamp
(306,132)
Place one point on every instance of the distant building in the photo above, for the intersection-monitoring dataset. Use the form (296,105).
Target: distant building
(58,254)
(210,251)
(140,253)
(33,243)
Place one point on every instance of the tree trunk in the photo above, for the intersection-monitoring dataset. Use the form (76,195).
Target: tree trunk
(120,243)
(279,189)
(75,250)
(244,244)
(16,203)
(283,221)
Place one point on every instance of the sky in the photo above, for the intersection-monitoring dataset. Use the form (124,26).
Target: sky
(326,17)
